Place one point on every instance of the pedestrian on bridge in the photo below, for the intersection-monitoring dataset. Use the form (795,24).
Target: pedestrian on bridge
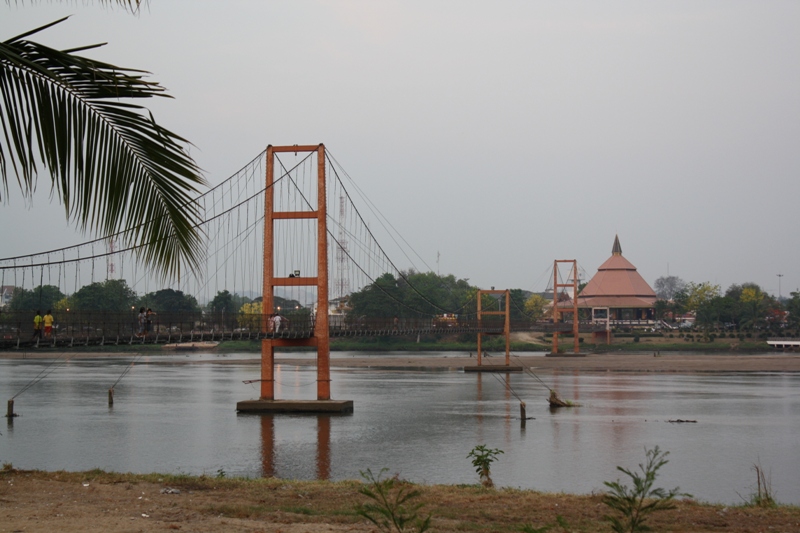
(37,325)
(148,325)
(142,321)
(276,323)
(48,324)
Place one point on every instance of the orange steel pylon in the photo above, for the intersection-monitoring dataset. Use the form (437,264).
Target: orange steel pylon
(506,323)
(321,335)
(556,312)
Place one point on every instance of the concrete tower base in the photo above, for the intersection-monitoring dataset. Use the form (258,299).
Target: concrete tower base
(295,406)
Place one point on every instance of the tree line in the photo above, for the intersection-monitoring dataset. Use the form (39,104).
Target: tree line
(412,294)
(741,306)
(116,296)
(110,296)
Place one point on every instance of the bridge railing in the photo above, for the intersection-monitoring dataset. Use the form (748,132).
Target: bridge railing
(94,327)
(97,327)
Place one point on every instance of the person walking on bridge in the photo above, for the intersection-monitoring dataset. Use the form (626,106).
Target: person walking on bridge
(148,326)
(142,320)
(48,324)
(37,325)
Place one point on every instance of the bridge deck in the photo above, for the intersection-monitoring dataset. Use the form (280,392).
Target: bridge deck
(109,334)
(101,329)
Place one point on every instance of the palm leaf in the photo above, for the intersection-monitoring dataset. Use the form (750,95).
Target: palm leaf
(111,165)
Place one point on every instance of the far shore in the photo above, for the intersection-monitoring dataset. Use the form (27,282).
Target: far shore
(650,361)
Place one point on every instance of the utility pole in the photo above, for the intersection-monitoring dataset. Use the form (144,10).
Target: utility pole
(779,286)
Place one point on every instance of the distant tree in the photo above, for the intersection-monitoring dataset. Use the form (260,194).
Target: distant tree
(382,298)
(250,315)
(42,298)
(713,311)
(774,313)
(668,286)
(239,300)
(700,294)
(678,305)
(536,306)
(661,308)
(112,295)
(222,303)
(61,305)
(169,301)
(793,310)
(415,294)
(517,307)
(753,304)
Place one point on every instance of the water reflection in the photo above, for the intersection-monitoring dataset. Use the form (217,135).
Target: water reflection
(267,445)
(323,445)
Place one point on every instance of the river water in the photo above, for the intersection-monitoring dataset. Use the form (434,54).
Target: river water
(170,416)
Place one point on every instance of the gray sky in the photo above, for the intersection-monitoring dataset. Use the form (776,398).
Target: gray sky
(501,134)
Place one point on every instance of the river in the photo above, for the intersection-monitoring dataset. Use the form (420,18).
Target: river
(174,417)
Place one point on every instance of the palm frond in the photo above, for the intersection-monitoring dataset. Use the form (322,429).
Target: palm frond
(128,5)
(111,165)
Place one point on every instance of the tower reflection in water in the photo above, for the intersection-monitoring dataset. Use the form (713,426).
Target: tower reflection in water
(323,456)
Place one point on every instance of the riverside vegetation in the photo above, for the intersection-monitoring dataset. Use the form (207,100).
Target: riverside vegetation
(102,501)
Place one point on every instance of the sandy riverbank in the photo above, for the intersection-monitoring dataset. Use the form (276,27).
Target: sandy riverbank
(99,502)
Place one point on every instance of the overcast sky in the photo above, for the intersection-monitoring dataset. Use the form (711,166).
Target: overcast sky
(502,135)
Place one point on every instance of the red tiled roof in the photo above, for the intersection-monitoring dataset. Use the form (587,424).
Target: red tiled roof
(617,284)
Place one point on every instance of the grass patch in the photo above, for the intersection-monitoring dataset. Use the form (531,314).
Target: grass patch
(468,508)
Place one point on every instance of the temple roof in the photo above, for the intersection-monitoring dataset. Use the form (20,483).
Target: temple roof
(617,284)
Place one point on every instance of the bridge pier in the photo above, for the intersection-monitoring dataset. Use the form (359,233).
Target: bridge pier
(506,314)
(320,338)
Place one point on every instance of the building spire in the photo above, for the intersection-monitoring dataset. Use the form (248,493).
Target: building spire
(617,249)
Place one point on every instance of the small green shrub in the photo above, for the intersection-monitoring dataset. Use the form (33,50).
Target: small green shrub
(389,512)
(482,459)
(634,505)
(636,338)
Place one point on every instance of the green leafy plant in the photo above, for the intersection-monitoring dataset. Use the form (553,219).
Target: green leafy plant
(482,459)
(390,508)
(634,505)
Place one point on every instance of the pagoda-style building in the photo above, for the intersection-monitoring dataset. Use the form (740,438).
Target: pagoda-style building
(620,289)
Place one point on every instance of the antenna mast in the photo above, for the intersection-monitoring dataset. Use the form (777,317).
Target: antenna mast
(342,279)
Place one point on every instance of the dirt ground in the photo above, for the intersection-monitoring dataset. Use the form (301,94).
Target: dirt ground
(98,502)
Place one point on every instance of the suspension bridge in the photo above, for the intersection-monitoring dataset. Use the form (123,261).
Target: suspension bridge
(285,230)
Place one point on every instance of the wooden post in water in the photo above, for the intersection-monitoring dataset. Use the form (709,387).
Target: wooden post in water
(10,413)
(111,396)
(522,414)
